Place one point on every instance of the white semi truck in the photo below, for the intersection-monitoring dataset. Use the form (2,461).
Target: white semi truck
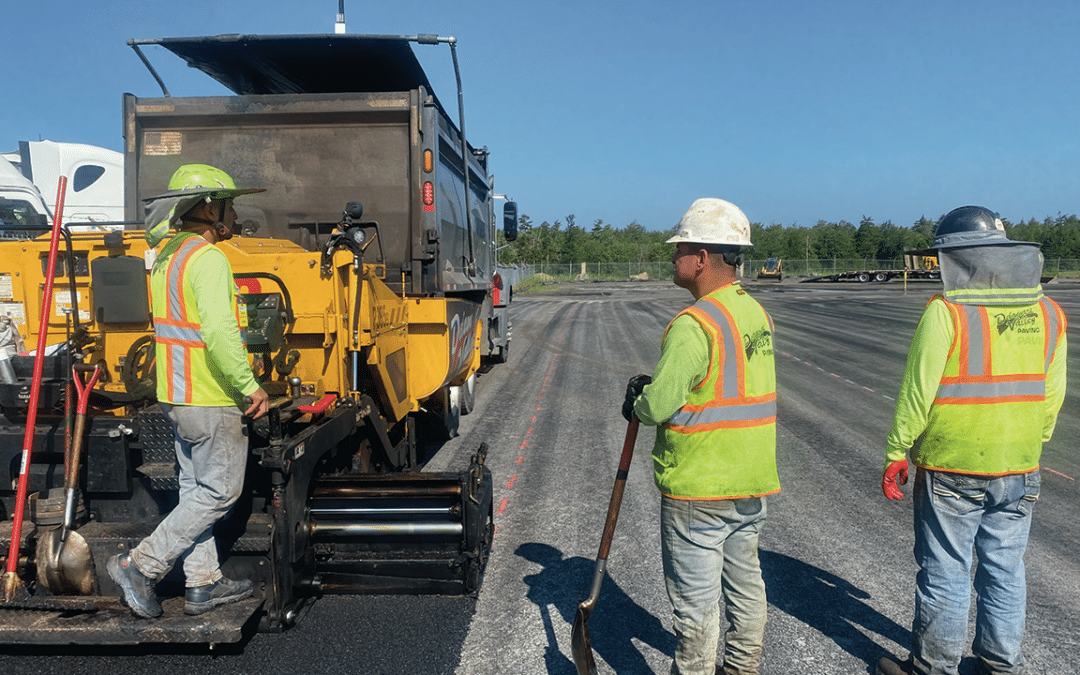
(95,190)
(21,204)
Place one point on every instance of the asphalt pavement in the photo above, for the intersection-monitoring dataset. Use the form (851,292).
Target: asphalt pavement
(836,554)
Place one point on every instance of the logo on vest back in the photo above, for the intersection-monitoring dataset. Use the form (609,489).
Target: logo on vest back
(758,343)
(1021,321)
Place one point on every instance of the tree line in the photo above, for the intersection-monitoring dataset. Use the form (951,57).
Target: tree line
(567,242)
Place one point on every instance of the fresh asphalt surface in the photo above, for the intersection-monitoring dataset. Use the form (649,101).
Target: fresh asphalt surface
(836,554)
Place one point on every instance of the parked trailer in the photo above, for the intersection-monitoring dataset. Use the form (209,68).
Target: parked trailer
(864,276)
(915,267)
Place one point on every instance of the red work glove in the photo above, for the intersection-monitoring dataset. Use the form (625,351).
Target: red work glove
(893,472)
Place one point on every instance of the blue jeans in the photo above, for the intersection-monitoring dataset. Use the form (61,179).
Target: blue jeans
(211,449)
(954,515)
(710,548)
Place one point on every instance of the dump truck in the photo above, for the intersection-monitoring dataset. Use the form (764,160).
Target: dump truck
(368,273)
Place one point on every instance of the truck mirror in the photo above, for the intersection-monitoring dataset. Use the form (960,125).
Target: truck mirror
(510,224)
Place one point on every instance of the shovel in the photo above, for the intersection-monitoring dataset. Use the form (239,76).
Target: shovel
(580,645)
(12,584)
(64,563)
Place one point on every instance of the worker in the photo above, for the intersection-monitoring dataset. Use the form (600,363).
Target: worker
(713,398)
(203,377)
(984,381)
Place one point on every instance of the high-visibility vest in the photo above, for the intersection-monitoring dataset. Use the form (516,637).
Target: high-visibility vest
(722,443)
(184,372)
(988,414)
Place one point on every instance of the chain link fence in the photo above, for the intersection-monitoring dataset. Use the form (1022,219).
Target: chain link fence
(829,266)
(523,276)
(1066,267)
(541,273)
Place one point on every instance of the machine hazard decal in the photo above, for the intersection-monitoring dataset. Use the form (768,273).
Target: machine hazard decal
(462,339)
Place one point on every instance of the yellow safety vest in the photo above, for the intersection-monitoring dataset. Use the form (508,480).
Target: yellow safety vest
(186,375)
(722,443)
(988,414)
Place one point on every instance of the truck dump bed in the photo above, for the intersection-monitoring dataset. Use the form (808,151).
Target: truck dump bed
(320,121)
(302,64)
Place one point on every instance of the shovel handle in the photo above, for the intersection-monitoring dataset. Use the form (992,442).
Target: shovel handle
(612,516)
(84,390)
(618,488)
(11,581)
(580,646)
(71,479)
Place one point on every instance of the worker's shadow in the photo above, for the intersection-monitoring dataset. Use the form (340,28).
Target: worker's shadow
(616,622)
(821,600)
(832,605)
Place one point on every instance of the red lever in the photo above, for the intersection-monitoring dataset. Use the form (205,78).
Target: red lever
(319,406)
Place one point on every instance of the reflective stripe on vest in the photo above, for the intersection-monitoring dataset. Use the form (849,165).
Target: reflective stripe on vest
(175,331)
(730,408)
(975,384)
(1053,328)
(999,297)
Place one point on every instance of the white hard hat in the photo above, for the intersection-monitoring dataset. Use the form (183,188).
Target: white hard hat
(713,221)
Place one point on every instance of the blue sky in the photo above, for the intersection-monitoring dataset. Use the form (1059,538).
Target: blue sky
(626,111)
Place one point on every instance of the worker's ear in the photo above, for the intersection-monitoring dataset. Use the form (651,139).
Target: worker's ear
(709,259)
(204,210)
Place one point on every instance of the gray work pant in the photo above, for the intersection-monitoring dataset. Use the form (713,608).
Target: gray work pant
(710,549)
(211,449)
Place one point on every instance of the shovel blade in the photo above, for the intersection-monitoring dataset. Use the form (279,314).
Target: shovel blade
(65,565)
(580,645)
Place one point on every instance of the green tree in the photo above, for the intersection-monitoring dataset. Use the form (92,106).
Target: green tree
(833,240)
(552,242)
(924,229)
(868,239)
(575,243)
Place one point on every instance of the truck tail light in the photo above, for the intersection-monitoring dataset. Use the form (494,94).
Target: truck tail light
(429,196)
(429,161)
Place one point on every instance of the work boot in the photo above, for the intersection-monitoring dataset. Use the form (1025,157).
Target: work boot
(887,666)
(138,588)
(204,598)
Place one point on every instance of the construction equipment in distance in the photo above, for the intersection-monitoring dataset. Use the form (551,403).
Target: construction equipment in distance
(773,268)
(368,268)
(916,266)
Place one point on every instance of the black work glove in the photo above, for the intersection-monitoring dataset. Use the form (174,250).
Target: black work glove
(633,389)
